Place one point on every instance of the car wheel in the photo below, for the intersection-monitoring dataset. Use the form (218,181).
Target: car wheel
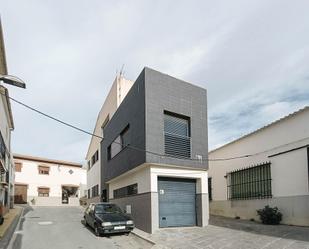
(85,222)
(96,230)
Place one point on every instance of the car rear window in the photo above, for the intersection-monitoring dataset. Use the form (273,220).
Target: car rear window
(107,209)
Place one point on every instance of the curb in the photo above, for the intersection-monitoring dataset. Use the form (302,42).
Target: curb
(143,237)
(14,235)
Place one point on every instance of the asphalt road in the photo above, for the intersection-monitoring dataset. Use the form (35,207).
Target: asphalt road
(62,227)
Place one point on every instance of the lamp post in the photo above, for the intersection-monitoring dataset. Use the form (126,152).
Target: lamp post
(12,80)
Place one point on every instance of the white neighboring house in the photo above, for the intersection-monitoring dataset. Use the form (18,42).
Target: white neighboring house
(6,126)
(117,93)
(47,182)
(277,174)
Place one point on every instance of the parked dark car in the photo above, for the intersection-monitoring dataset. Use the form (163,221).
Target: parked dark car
(107,218)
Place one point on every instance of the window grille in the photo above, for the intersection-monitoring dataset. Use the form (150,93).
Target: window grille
(126,191)
(250,183)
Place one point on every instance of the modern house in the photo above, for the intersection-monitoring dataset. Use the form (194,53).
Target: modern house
(274,172)
(6,126)
(154,153)
(47,182)
(118,91)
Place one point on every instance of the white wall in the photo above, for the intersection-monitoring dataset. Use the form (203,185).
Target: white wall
(117,93)
(4,121)
(58,175)
(5,128)
(289,171)
(141,176)
(146,177)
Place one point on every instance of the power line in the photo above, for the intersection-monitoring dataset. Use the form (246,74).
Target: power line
(139,149)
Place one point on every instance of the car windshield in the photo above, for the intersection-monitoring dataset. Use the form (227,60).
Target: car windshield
(107,209)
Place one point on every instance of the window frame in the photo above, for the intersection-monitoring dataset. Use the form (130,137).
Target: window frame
(119,144)
(41,170)
(126,191)
(187,138)
(43,194)
(253,182)
(95,190)
(19,168)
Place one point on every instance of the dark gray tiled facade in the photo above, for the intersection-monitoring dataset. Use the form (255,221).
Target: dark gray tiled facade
(165,93)
(143,109)
(131,112)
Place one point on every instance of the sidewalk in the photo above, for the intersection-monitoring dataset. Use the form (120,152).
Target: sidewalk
(8,227)
(8,219)
(232,234)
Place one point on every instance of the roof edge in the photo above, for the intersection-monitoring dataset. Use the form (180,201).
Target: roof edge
(2,47)
(263,128)
(46,160)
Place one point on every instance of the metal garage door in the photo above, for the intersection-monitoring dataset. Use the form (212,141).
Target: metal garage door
(176,202)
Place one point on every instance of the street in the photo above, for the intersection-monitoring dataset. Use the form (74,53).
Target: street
(62,227)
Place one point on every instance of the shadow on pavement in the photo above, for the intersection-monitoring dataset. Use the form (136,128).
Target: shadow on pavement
(105,235)
(18,239)
(281,231)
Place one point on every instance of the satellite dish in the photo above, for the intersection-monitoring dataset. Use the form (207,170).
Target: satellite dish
(12,80)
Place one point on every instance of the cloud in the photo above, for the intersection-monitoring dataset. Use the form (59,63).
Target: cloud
(252,56)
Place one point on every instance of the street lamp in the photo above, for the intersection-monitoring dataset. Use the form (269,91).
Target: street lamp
(12,80)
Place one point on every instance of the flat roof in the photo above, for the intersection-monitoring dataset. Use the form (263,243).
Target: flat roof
(46,160)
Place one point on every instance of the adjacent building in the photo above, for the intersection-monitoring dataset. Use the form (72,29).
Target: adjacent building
(6,126)
(275,172)
(117,93)
(154,153)
(47,182)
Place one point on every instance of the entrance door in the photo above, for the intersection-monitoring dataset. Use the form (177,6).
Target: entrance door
(20,193)
(177,205)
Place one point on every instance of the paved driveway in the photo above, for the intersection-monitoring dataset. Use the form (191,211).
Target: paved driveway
(233,234)
(61,227)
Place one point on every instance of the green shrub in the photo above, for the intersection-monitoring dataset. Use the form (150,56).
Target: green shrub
(269,215)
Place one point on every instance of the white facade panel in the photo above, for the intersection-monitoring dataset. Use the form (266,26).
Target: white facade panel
(284,144)
(117,93)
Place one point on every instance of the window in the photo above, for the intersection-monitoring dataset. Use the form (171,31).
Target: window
(18,167)
(210,188)
(2,147)
(43,170)
(95,190)
(250,183)
(95,158)
(104,195)
(177,141)
(126,191)
(89,164)
(121,142)
(43,192)
(88,193)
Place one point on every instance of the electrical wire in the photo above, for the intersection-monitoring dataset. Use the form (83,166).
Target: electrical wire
(139,149)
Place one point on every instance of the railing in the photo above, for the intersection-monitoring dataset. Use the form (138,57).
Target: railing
(250,183)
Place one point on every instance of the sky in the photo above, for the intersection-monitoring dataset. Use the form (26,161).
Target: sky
(251,56)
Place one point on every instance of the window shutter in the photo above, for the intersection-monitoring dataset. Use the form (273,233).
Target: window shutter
(177,136)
